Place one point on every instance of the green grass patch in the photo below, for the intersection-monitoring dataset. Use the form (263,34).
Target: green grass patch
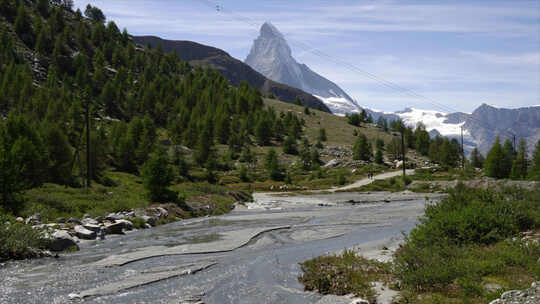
(17,239)
(52,201)
(347,273)
(465,241)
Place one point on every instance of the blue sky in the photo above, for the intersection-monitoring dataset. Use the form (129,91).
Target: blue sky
(459,54)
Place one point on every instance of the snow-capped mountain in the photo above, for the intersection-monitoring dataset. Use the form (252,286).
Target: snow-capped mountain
(271,56)
(480,128)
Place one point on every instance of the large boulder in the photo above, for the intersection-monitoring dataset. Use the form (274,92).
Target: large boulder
(332,164)
(89,221)
(84,233)
(127,225)
(73,220)
(61,240)
(92,227)
(115,216)
(152,221)
(34,220)
(114,228)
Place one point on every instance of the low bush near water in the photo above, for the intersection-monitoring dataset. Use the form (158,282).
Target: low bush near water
(464,241)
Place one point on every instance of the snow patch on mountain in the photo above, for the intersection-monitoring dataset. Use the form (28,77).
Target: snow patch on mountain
(339,105)
(433,120)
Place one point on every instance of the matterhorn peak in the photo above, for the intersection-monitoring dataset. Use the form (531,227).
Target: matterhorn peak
(269,30)
(271,56)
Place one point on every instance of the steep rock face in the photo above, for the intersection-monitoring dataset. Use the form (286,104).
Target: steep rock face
(234,70)
(487,122)
(271,56)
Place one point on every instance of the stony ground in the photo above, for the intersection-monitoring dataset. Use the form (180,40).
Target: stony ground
(527,296)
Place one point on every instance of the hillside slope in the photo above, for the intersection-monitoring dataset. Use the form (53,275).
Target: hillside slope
(233,69)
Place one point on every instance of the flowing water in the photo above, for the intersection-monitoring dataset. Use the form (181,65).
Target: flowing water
(225,259)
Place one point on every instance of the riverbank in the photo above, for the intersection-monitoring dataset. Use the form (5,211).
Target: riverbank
(467,247)
(58,219)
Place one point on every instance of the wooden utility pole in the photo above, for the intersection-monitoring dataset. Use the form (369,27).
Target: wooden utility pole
(403,150)
(87,114)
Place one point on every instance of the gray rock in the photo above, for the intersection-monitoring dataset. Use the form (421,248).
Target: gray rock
(491,287)
(114,216)
(34,219)
(73,220)
(89,221)
(84,233)
(152,221)
(92,227)
(332,164)
(114,228)
(127,225)
(163,213)
(61,240)
(19,219)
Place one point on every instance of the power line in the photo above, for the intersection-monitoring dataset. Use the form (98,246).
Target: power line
(389,84)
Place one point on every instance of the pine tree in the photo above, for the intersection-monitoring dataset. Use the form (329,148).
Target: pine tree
(379,159)
(422,140)
(94,14)
(204,146)
(243,174)
(289,146)
(509,154)
(477,160)
(271,163)
(157,176)
(23,26)
(322,135)
(263,132)
(11,183)
(43,7)
(534,171)
(520,163)
(494,163)
(305,155)
(362,149)
(60,155)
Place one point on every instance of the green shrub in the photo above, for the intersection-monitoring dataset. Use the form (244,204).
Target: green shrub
(343,274)
(465,238)
(17,239)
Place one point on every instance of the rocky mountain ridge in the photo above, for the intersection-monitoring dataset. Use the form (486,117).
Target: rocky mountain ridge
(233,69)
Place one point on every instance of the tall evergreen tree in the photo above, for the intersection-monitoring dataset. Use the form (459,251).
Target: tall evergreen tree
(362,149)
(322,135)
(422,139)
(534,171)
(477,160)
(289,146)
(271,163)
(494,163)
(157,176)
(509,154)
(520,164)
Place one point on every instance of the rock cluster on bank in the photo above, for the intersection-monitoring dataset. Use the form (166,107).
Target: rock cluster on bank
(527,296)
(65,234)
